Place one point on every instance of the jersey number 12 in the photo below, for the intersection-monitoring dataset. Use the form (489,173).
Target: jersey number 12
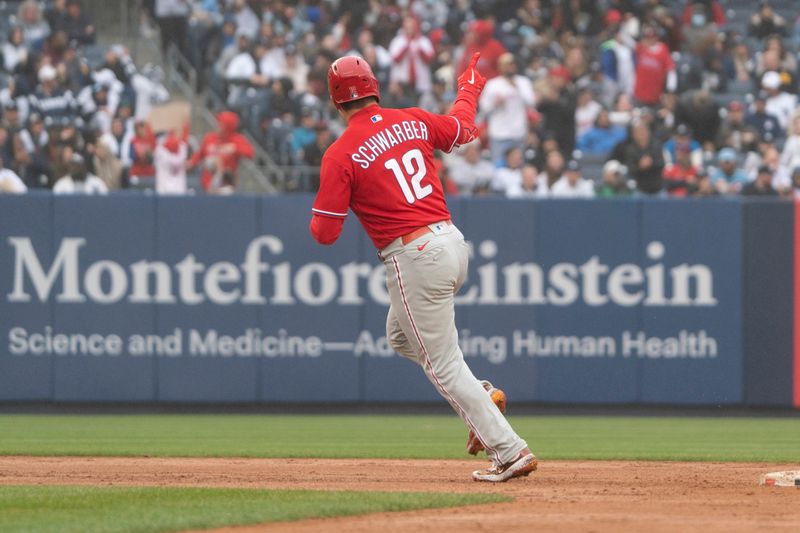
(414,165)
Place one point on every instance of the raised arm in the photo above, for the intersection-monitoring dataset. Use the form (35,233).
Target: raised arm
(470,86)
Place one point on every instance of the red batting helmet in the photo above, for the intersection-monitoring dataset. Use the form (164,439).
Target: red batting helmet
(351,78)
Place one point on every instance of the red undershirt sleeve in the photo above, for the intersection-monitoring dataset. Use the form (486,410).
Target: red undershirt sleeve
(332,201)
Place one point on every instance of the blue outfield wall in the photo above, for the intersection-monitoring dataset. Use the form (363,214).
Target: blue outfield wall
(133,298)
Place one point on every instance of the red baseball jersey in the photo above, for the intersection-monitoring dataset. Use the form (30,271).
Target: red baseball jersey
(652,65)
(382,168)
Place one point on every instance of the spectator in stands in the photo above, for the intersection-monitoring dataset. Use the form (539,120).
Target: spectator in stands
(762,119)
(736,59)
(170,163)
(411,53)
(437,100)
(173,20)
(617,59)
(553,169)
(15,49)
(242,72)
(297,70)
(572,184)
(204,17)
(775,58)
(586,111)
(506,101)
(35,28)
(762,185)
(479,38)
(35,136)
(557,102)
(119,140)
(700,33)
(756,150)
(654,69)
(712,10)
(106,165)
(142,172)
(680,177)
(705,188)
(150,90)
(622,112)
(698,110)
(644,159)
(790,156)
(304,134)
(79,180)
(118,61)
(614,181)
(604,90)
(766,22)
(366,45)
(75,23)
(780,104)
(221,151)
(602,137)
(728,176)
(312,154)
(732,127)
(509,176)
(10,182)
(529,187)
(11,117)
(469,170)
(51,101)
(683,138)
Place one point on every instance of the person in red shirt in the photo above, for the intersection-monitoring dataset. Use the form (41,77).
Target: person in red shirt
(479,40)
(221,151)
(143,144)
(382,168)
(680,178)
(654,69)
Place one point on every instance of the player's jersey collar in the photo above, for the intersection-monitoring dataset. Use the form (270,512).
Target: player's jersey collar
(364,114)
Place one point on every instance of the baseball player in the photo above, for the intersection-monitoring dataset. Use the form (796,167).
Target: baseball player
(382,168)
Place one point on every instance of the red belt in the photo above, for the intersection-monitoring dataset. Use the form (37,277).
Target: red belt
(419,232)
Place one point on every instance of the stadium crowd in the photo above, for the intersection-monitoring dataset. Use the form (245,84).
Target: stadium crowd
(586,97)
(74,114)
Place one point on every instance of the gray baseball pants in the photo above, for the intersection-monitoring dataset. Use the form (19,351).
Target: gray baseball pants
(423,278)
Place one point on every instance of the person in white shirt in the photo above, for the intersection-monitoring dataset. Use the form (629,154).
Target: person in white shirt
(11,183)
(79,180)
(169,159)
(246,78)
(411,54)
(586,112)
(468,170)
(790,157)
(509,176)
(505,102)
(780,104)
(530,186)
(572,184)
(15,50)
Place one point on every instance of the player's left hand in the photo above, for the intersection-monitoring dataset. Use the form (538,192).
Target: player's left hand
(471,78)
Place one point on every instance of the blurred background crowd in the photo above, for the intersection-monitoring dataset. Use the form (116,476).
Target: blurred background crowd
(585,97)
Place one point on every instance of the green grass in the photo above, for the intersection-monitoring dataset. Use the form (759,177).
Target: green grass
(64,509)
(551,437)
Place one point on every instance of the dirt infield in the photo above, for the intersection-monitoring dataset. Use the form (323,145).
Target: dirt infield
(598,496)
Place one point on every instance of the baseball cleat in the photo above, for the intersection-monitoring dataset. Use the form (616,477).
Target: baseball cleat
(523,465)
(499,398)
